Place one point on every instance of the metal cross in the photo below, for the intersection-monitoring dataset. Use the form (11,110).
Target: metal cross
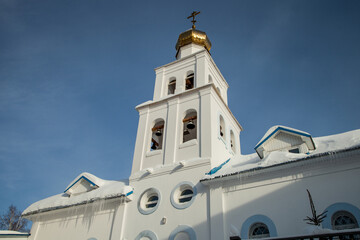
(193,14)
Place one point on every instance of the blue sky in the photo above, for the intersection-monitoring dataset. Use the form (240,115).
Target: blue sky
(71,73)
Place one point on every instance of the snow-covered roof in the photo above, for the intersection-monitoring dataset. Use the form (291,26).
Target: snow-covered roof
(327,144)
(278,129)
(105,189)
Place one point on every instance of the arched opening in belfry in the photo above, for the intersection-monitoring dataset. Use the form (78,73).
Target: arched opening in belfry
(172,86)
(232,141)
(189,81)
(157,135)
(222,129)
(190,126)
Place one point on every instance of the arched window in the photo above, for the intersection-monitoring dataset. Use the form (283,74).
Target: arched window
(222,132)
(189,81)
(157,135)
(259,230)
(172,86)
(343,220)
(190,126)
(232,141)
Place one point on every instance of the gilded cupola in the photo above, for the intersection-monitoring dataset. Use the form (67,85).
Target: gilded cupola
(193,36)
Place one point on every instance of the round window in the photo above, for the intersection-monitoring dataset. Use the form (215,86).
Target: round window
(182,236)
(183,232)
(149,201)
(146,235)
(183,195)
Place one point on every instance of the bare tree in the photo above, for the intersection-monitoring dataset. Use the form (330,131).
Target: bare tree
(12,220)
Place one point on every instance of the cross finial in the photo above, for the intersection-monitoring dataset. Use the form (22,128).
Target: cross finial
(193,14)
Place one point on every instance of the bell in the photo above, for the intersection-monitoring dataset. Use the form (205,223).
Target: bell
(190,125)
(158,133)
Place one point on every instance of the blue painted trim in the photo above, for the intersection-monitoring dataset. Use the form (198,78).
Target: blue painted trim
(341,206)
(257,219)
(183,228)
(148,234)
(82,177)
(15,234)
(151,210)
(174,201)
(284,129)
(129,193)
(215,169)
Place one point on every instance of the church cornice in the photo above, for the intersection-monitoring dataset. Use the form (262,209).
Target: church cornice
(168,169)
(208,87)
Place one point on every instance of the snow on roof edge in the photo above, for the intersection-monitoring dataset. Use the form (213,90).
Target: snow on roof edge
(283,163)
(107,190)
(42,210)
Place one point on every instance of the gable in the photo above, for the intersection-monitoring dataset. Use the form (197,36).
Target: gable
(81,184)
(281,138)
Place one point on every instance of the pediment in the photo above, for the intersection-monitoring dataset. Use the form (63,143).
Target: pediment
(281,138)
(83,183)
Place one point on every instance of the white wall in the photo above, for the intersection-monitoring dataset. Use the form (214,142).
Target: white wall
(165,180)
(281,194)
(95,221)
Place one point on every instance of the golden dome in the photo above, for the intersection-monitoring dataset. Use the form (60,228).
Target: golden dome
(193,36)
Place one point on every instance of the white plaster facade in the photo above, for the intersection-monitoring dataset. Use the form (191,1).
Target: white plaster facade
(204,188)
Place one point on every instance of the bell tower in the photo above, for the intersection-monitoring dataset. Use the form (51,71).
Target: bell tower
(188,119)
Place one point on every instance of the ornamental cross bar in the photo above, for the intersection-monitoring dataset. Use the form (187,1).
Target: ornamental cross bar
(193,14)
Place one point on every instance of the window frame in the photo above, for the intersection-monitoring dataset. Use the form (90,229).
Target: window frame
(176,197)
(143,201)
(256,225)
(347,214)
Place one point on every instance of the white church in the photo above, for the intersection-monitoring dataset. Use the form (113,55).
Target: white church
(190,181)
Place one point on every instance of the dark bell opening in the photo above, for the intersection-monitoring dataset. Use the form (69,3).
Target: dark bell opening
(190,125)
(158,133)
